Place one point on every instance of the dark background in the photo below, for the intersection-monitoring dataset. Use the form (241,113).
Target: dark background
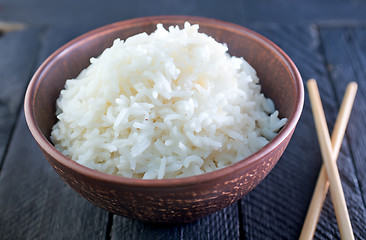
(326,40)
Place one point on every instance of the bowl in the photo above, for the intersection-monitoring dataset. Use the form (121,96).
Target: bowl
(168,200)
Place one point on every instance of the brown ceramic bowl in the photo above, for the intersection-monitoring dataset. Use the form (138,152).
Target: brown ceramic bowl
(168,200)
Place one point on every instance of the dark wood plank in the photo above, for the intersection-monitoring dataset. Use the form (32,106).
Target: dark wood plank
(18,51)
(69,13)
(347,64)
(345,51)
(221,225)
(228,11)
(35,203)
(298,11)
(277,207)
(125,228)
(96,13)
(56,36)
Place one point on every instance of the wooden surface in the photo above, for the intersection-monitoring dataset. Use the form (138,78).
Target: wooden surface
(326,40)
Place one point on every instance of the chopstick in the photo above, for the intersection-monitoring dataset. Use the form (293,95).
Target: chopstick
(322,184)
(329,167)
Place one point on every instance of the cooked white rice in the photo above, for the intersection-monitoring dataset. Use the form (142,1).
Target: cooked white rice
(166,105)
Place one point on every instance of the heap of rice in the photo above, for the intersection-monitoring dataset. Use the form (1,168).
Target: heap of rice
(166,105)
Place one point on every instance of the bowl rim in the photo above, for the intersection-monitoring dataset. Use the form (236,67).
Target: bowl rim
(287,130)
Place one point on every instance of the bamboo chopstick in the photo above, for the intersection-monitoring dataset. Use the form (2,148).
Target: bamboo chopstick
(336,190)
(322,184)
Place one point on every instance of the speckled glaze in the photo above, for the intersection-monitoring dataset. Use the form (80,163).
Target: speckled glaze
(170,200)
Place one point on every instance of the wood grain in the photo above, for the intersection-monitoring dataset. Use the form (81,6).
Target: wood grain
(248,11)
(313,11)
(16,65)
(221,225)
(35,203)
(293,179)
(348,64)
(125,228)
(281,200)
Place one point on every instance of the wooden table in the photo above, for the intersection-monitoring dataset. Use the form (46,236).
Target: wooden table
(326,40)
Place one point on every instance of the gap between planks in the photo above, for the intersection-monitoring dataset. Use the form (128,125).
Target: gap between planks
(9,27)
(347,139)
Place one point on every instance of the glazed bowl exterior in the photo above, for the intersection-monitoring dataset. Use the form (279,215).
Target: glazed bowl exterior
(168,200)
